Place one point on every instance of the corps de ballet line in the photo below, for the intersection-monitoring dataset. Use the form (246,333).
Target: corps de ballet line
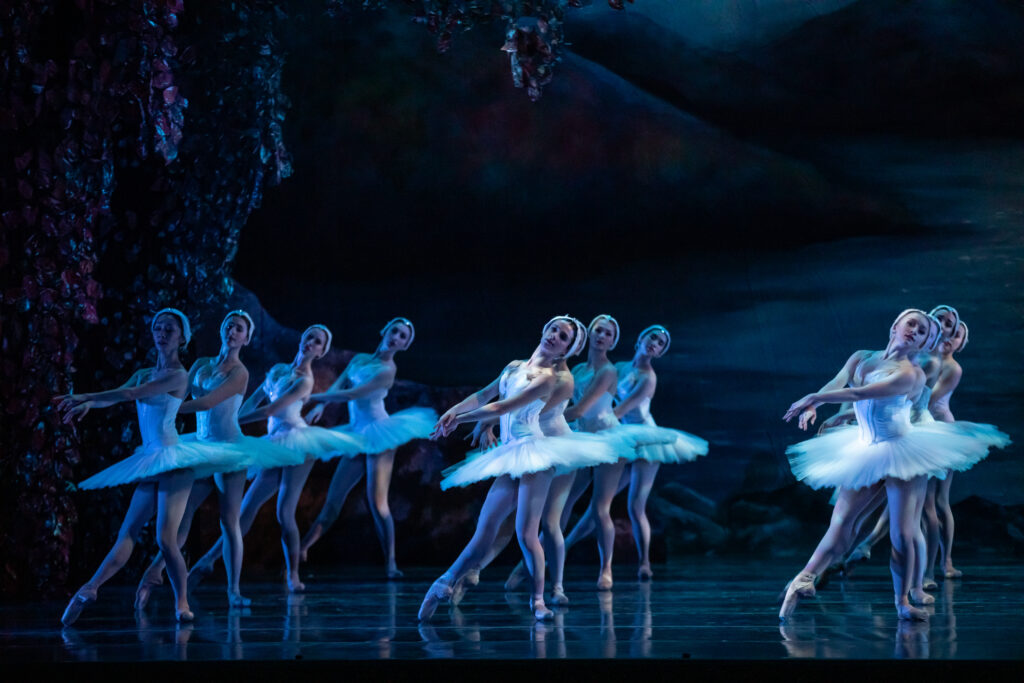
(544,433)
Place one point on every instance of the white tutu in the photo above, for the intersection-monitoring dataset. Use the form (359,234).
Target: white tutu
(203,458)
(843,457)
(680,447)
(317,442)
(253,453)
(390,432)
(531,454)
(986,433)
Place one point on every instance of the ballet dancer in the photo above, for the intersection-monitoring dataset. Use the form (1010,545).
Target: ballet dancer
(286,388)
(938,517)
(162,467)
(882,452)
(635,387)
(525,463)
(218,385)
(364,383)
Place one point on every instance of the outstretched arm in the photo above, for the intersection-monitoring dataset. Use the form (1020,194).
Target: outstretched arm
(842,378)
(644,388)
(600,385)
(296,391)
(381,380)
(538,387)
(75,406)
(902,382)
(444,424)
(234,383)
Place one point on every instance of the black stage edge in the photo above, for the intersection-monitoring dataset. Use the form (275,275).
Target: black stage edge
(455,670)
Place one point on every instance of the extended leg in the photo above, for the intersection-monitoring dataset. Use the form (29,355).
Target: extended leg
(499,504)
(849,507)
(140,510)
(346,475)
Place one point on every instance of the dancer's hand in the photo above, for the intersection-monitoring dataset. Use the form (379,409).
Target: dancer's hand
(807,418)
(482,437)
(443,428)
(313,416)
(76,412)
(69,401)
(808,401)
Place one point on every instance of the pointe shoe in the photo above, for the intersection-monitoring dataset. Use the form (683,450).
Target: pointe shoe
(472,577)
(604,582)
(78,602)
(558,597)
(952,573)
(517,576)
(143,593)
(540,610)
(800,587)
(440,590)
(919,597)
(184,615)
(930,585)
(238,600)
(645,573)
(394,574)
(910,613)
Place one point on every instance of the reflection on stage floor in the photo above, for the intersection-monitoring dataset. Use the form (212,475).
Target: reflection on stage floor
(697,609)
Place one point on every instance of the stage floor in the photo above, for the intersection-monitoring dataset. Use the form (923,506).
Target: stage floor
(697,609)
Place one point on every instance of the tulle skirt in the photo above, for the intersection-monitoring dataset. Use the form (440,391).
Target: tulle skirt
(674,446)
(317,442)
(390,432)
(532,454)
(254,454)
(201,457)
(841,458)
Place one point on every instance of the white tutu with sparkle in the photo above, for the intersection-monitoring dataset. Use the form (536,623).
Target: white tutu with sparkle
(161,450)
(885,444)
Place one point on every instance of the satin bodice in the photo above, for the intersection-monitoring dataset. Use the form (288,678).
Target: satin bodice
(600,414)
(278,379)
(628,380)
(525,420)
(219,423)
(368,408)
(156,419)
(882,419)
(552,422)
